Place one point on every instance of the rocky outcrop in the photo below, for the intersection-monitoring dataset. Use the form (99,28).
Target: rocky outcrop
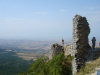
(81,31)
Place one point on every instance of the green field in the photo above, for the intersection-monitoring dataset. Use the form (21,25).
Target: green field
(10,64)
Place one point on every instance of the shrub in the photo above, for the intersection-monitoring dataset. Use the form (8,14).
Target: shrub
(59,65)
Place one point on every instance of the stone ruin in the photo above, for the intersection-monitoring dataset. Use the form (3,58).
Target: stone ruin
(80,47)
(80,43)
(81,31)
(55,50)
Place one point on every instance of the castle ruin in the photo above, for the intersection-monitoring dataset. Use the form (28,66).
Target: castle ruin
(81,31)
(80,47)
(55,50)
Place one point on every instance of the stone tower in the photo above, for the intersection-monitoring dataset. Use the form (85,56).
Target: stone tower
(81,46)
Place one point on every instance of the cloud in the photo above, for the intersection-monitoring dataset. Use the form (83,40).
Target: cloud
(62,10)
(40,13)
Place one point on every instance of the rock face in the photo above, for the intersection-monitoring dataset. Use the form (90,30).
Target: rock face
(55,50)
(81,31)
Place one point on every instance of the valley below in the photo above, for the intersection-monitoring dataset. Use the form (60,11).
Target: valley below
(17,55)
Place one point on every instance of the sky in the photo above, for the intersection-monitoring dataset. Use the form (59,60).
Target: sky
(46,19)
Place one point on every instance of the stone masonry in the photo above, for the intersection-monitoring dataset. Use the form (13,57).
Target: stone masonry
(68,50)
(80,47)
(81,31)
(55,50)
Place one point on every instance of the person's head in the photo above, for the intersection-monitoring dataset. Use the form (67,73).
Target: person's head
(93,37)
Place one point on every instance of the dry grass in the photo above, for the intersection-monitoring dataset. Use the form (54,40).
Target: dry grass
(90,67)
(29,56)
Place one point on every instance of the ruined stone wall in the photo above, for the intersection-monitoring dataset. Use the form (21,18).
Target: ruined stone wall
(81,31)
(68,50)
(80,47)
(55,50)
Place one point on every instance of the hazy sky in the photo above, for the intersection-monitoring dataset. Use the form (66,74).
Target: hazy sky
(46,19)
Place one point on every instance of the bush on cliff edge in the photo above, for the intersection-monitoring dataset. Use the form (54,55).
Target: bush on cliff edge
(59,65)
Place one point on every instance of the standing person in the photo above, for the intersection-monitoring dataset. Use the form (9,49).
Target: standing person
(93,42)
(99,44)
